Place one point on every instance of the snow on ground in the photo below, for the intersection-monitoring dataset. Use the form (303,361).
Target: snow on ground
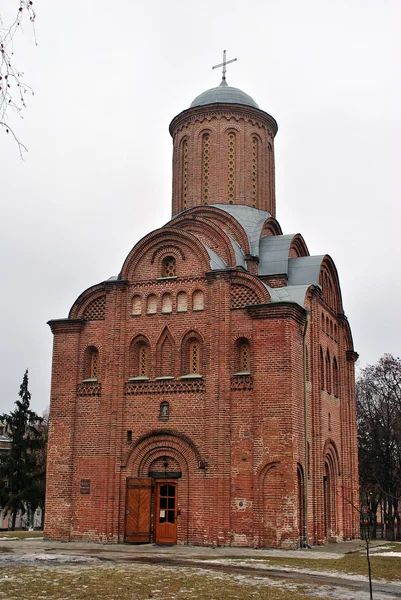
(397,554)
(257,564)
(64,563)
(21,559)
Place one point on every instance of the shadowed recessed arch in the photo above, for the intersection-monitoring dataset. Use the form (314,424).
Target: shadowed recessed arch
(164,238)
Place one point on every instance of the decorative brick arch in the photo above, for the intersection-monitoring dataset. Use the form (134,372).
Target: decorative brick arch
(331,474)
(162,240)
(211,235)
(246,290)
(83,303)
(271,227)
(216,217)
(165,354)
(151,448)
(270,490)
(298,247)
(329,282)
(160,253)
(144,450)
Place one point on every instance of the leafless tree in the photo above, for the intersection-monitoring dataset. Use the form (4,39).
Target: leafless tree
(379,440)
(13,88)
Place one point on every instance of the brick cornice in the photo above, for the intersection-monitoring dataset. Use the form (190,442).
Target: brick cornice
(116,283)
(236,111)
(218,274)
(278,310)
(352,356)
(66,325)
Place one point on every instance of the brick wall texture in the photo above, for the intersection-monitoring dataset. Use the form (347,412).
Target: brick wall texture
(192,370)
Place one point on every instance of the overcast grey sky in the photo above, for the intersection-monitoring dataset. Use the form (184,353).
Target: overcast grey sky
(108,79)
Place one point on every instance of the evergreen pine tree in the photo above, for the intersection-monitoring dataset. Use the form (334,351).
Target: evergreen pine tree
(20,476)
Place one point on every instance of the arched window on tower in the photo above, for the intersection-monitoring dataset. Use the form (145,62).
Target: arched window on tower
(271,174)
(91,363)
(168,267)
(184,173)
(231,167)
(205,167)
(255,173)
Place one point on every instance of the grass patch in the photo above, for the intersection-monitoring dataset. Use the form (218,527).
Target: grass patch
(21,535)
(136,582)
(383,567)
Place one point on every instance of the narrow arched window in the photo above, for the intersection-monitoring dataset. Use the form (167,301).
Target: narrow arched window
(94,364)
(205,167)
(255,174)
(136,305)
(336,383)
(139,358)
(143,361)
(168,267)
(244,357)
(231,167)
(322,322)
(91,363)
(307,367)
(321,369)
(194,357)
(151,306)
(328,373)
(184,173)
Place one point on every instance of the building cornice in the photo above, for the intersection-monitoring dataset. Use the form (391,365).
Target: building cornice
(237,111)
(66,325)
(278,310)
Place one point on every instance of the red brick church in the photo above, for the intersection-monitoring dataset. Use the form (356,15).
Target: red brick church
(205,395)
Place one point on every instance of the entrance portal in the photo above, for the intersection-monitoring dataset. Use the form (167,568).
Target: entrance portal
(165,515)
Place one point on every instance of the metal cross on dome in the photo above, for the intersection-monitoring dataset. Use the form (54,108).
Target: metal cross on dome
(224,64)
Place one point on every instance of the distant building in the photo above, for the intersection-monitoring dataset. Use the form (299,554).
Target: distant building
(5,441)
(196,394)
(5,518)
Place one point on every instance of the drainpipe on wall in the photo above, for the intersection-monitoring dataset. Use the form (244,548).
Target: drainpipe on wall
(306,474)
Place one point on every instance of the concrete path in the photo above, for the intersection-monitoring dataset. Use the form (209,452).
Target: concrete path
(117,551)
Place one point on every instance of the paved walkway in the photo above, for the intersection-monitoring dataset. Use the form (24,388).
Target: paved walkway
(122,552)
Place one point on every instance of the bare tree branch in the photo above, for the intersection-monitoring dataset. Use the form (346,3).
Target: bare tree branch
(13,88)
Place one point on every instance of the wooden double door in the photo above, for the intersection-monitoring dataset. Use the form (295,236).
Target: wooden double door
(151,508)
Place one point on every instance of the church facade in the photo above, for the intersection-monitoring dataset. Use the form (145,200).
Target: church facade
(205,395)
